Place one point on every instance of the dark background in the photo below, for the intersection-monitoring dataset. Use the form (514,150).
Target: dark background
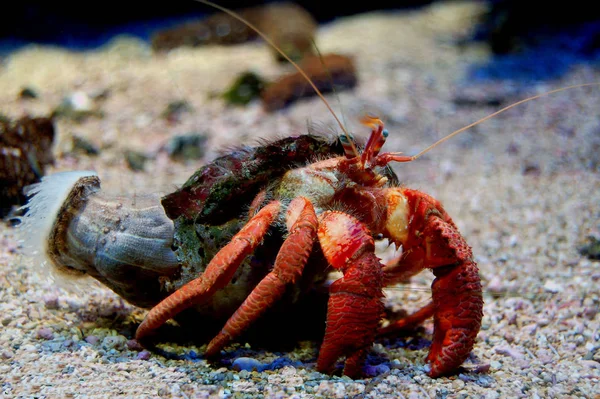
(83,24)
(531,38)
(92,23)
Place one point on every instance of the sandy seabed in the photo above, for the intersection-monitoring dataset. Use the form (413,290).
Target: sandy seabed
(524,188)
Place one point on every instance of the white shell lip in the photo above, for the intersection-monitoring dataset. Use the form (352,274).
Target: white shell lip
(45,201)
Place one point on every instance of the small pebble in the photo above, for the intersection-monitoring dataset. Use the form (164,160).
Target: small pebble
(54,346)
(134,345)
(77,106)
(508,351)
(92,339)
(135,160)
(83,145)
(176,109)
(27,93)
(590,312)
(114,342)
(458,384)
(143,355)
(495,364)
(191,146)
(552,286)
(591,364)
(45,333)
(379,369)
(246,363)
(51,301)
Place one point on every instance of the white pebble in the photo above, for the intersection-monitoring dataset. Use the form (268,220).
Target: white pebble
(552,286)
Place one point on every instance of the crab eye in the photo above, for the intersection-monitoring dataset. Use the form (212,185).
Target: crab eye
(385,133)
(346,141)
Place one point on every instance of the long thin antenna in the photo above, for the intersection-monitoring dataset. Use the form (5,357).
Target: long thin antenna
(448,137)
(284,55)
(337,97)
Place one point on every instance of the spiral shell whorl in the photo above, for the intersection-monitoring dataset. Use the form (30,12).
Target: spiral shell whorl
(73,229)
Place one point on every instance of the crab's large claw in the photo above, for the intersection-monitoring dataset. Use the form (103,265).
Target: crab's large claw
(355,306)
(431,240)
(457,296)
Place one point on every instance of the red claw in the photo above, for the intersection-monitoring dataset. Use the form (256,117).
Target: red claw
(434,242)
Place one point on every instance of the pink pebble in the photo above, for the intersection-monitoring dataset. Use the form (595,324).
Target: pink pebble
(92,339)
(45,333)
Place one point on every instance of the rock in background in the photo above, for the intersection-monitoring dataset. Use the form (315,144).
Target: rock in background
(25,151)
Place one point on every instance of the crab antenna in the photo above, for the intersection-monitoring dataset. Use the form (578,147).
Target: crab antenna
(284,55)
(344,133)
(448,137)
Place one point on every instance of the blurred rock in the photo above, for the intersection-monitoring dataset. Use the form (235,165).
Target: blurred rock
(27,93)
(244,89)
(135,160)
(329,72)
(591,248)
(25,151)
(288,25)
(187,147)
(83,145)
(78,106)
(175,109)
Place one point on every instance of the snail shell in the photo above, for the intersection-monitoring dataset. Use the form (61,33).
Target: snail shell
(74,229)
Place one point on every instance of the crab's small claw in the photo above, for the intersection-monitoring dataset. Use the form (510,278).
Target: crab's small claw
(355,307)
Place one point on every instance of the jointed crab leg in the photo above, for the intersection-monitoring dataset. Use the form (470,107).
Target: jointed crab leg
(289,264)
(411,321)
(218,273)
(355,307)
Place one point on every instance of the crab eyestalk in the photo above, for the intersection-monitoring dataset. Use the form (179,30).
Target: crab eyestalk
(76,230)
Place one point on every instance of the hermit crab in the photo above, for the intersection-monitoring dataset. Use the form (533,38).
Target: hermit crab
(185,251)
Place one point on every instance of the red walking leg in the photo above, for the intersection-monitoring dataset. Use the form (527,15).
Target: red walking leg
(289,265)
(411,321)
(355,307)
(218,272)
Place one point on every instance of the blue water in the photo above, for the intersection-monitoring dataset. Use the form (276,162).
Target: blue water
(552,57)
(87,37)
